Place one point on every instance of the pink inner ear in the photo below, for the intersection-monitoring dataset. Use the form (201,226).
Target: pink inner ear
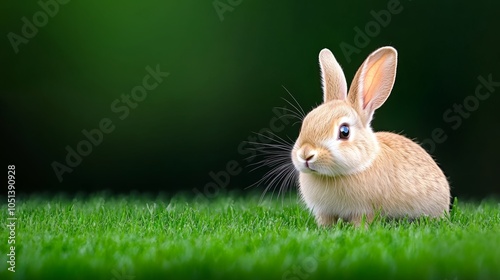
(372,80)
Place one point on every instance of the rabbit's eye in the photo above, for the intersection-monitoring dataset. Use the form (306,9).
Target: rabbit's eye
(344,132)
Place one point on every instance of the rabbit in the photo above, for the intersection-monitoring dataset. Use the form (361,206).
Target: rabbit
(347,171)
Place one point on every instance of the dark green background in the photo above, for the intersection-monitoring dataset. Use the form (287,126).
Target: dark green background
(225,78)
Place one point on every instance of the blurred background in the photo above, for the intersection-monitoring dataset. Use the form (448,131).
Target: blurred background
(69,66)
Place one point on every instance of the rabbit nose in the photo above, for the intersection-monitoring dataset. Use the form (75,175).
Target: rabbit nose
(307,154)
(310,157)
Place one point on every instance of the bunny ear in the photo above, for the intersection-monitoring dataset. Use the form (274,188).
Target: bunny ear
(373,82)
(334,83)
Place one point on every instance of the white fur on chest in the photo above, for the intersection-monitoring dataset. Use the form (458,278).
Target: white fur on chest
(333,197)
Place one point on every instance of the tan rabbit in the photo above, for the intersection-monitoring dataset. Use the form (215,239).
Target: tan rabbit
(346,170)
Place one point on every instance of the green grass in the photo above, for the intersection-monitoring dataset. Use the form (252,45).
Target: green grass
(237,237)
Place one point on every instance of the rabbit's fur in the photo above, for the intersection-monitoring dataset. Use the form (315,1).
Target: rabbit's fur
(366,172)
